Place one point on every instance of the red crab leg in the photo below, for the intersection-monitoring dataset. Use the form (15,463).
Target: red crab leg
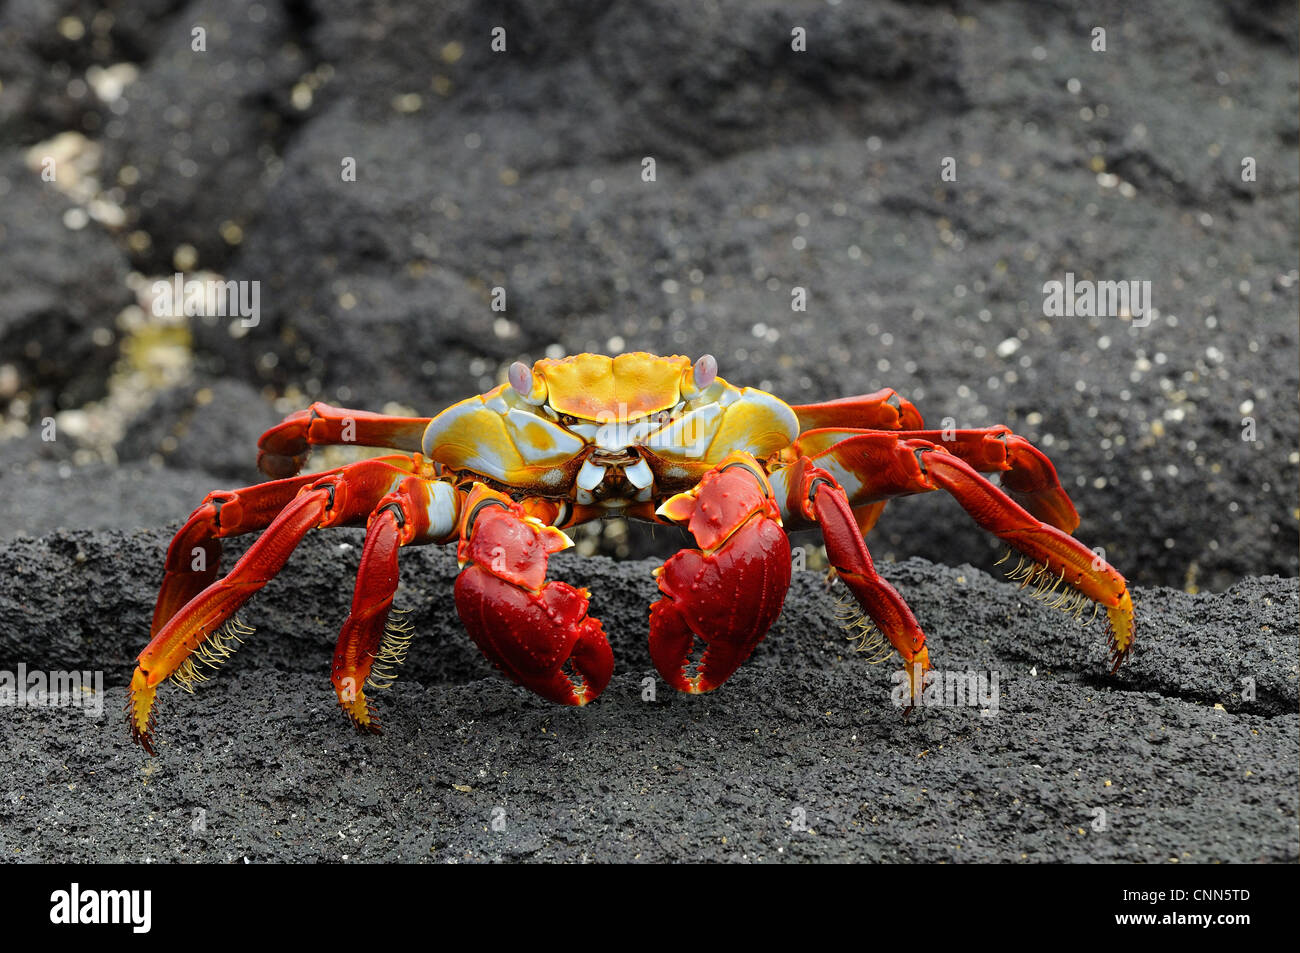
(418,511)
(883,465)
(194,555)
(883,410)
(537,633)
(337,498)
(1028,477)
(820,499)
(283,450)
(867,465)
(1062,558)
(728,592)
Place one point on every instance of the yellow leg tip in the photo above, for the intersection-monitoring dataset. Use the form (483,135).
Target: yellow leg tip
(140,710)
(357,707)
(1122,627)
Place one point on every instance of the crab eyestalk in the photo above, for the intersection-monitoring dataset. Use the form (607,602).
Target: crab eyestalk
(699,377)
(527,383)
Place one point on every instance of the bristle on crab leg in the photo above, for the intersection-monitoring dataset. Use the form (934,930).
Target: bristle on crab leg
(213,652)
(1061,585)
(1051,593)
(398,634)
(861,630)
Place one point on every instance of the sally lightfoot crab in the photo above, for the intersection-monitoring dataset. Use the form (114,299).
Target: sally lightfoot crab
(587,437)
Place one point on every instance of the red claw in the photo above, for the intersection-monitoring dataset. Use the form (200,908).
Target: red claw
(533,637)
(537,633)
(730,591)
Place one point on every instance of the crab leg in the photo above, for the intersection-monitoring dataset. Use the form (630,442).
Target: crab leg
(818,498)
(1058,558)
(334,499)
(535,632)
(883,410)
(283,450)
(194,555)
(1028,477)
(867,465)
(882,465)
(729,591)
(418,511)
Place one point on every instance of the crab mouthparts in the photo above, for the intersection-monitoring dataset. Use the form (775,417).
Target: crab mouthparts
(633,466)
(590,476)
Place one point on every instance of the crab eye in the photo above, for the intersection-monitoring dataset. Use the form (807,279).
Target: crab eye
(568,420)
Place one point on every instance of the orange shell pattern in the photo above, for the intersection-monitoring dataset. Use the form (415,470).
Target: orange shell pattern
(595,386)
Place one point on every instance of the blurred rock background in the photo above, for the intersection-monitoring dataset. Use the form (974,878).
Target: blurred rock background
(775,169)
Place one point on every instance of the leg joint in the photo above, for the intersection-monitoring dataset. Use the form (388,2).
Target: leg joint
(398,513)
(815,483)
(478,508)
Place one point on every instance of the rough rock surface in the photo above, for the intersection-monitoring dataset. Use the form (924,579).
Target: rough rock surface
(269,768)
(59,289)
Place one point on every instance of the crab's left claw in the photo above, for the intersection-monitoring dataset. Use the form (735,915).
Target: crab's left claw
(537,633)
(728,592)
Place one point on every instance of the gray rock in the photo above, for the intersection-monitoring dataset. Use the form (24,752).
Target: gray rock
(45,492)
(775,170)
(212,427)
(821,174)
(259,764)
(203,129)
(61,288)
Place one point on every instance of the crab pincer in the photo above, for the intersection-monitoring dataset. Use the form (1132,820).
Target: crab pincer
(727,593)
(538,633)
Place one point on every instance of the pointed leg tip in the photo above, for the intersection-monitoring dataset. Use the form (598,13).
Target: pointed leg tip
(140,711)
(1122,630)
(361,714)
(367,726)
(144,738)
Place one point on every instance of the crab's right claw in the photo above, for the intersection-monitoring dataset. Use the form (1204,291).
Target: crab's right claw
(537,633)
